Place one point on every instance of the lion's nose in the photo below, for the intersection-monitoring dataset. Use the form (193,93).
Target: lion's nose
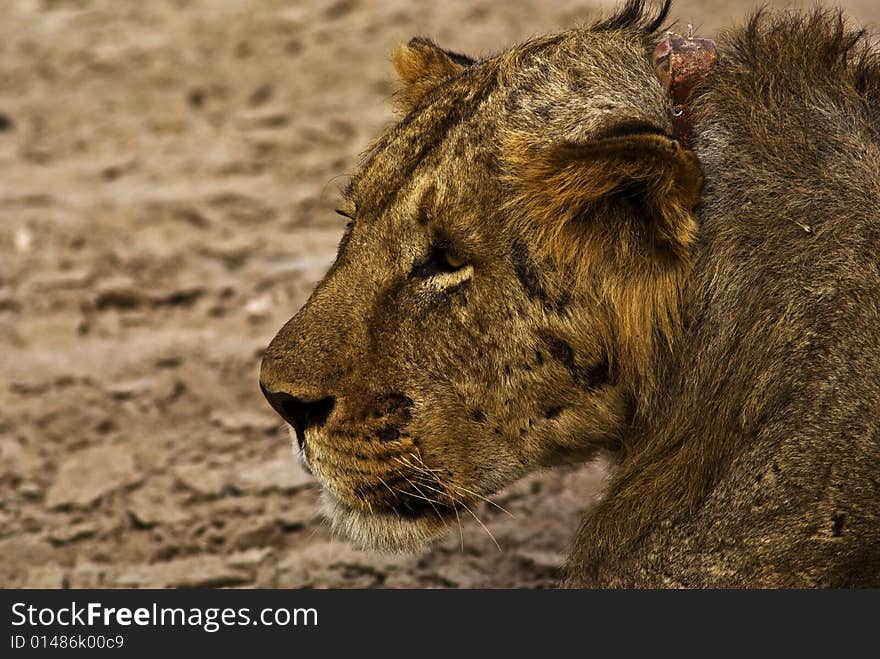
(299,413)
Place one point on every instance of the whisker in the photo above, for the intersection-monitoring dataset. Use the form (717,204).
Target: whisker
(364,498)
(416,487)
(455,504)
(444,492)
(460,529)
(480,496)
(422,468)
(429,500)
(456,486)
(458,502)
(479,521)
(388,487)
(425,469)
(393,493)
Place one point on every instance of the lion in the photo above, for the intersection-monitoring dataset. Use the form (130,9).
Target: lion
(536,271)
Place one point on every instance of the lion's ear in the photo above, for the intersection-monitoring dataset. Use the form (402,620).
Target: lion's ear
(422,64)
(617,212)
(632,173)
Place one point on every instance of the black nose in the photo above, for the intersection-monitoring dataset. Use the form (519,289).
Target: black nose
(299,413)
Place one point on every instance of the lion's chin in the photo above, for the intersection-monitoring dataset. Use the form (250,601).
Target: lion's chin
(383,531)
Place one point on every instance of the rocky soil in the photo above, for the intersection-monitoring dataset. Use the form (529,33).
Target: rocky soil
(168,171)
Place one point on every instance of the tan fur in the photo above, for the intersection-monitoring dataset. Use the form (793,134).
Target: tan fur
(567,192)
(421,65)
(537,272)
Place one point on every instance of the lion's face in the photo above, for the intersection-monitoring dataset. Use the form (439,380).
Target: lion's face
(438,345)
(450,350)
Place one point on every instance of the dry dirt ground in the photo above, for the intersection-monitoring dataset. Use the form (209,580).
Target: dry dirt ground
(168,171)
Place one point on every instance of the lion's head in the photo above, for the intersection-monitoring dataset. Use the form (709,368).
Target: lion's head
(514,255)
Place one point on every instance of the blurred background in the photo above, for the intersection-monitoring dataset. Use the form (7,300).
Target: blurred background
(168,174)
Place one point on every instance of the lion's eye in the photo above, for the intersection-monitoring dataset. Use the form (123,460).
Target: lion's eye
(348,207)
(440,260)
(453,260)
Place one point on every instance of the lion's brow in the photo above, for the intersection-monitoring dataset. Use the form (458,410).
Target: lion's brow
(443,114)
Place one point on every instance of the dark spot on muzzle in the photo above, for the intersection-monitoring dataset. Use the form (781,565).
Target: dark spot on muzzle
(388,433)
(394,403)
